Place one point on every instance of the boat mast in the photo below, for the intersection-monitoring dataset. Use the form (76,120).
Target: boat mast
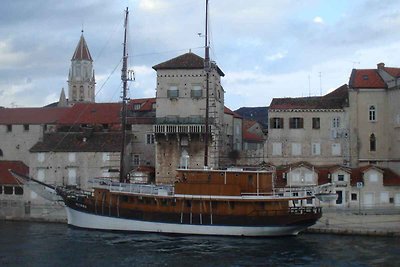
(207,69)
(124,78)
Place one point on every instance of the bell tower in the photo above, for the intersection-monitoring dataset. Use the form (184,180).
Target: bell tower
(81,81)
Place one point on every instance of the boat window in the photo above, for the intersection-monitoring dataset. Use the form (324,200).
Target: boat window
(214,204)
(18,190)
(250,180)
(173,203)
(8,190)
(231,205)
(164,202)
(124,198)
(188,203)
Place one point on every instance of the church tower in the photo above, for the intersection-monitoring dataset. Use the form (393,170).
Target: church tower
(81,81)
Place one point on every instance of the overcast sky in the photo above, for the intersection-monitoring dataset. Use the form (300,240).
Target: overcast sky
(267,49)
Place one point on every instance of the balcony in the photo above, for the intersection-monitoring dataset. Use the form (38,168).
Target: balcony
(180,129)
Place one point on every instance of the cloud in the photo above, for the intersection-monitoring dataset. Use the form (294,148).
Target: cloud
(151,5)
(277,56)
(318,20)
(9,58)
(267,49)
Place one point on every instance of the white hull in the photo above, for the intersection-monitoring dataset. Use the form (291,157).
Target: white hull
(91,221)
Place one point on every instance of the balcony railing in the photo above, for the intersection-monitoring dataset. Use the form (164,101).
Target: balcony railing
(173,128)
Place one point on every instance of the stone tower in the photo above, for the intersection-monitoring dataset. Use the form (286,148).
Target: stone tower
(81,81)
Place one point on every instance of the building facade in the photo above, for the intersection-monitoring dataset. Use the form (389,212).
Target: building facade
(374,95)
(180,116)
(312,129)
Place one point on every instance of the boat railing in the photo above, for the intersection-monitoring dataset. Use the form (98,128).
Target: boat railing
(305,210)
(148,189)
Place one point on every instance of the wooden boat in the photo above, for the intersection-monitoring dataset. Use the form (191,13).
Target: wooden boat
(207,202)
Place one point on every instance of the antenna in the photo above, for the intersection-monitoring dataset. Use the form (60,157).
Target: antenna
(355,62)
(320,83)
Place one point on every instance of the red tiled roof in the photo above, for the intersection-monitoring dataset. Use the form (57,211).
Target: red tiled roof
(336,99)
(31,115)
(146,104)
(82,51)
(366,78)
(92,113)
(6,178)
(395,72)
(80,142)
(230,112)
(249,136)
(390,178)
(185,61)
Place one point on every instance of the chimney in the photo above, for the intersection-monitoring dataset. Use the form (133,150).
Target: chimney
(381,66)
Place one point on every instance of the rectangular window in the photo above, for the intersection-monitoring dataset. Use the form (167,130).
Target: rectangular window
(106,157)
(316,123)
(309,177)
(40,157)
(136,160)
(9,128)
(295,123)
(137,106)
(276,123)
(173,92)
(41,176)
(71,176)
(18,190)
(154,106)
(336,122)
(150,139)
(8,190)
(196,92)
(353,196)
(316,149)
(276,149)
(372,113)
(296,149)
(373,178)
(336,149)
(384,197)
(340,177)
(295,177)
(26,127)
(1,189)
(71,157)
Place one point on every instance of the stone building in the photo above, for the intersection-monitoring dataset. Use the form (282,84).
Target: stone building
(367,187)
(81,79)
(312,129)
(180,116)
(253,152)
(73,158)
(141,118)
(21,128)
(374,96)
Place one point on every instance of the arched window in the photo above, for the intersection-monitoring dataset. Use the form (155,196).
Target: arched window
(372,113)
(372,142)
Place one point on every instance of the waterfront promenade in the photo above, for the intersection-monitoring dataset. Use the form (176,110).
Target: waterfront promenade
(380,222)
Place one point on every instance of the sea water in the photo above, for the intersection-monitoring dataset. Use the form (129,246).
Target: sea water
(45,244)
